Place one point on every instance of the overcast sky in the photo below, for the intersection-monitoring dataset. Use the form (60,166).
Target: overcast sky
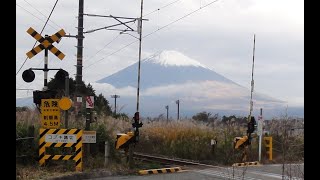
(218,35)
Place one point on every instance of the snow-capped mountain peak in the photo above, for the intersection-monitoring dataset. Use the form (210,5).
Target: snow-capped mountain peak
(173,58)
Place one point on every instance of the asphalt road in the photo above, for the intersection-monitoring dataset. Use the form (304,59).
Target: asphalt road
(263,172)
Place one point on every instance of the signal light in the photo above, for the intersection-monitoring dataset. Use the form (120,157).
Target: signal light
(136,123)
(28,75)
(251,125)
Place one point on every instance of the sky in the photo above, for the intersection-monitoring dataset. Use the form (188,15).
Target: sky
(216,33)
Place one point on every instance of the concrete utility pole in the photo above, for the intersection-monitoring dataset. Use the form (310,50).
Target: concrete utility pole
(178,102)
(115,102)
(167,107)
(79,47)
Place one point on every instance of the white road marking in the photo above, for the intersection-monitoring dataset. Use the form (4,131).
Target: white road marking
(223,174)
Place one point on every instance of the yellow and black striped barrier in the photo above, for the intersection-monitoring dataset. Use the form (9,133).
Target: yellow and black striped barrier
(61,138)
(162,170)
(255,163)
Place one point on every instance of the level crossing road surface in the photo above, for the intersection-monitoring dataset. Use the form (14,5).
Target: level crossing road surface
(262,172)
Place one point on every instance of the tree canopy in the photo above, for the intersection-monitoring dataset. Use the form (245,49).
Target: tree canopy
(101,104)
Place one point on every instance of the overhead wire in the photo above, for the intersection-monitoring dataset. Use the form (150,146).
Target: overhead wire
(34,15)
(202,7)
(87,60)
(42,13)
(160,8)
(40,33)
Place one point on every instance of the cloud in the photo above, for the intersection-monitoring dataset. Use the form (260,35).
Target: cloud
(107,89)
(206,89)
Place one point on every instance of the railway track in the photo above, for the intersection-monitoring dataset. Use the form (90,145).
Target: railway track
(170,161)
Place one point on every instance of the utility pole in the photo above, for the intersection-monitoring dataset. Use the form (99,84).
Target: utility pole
(79,47)
(167,107)
(260,124)
(136,132)
(252,81)
(80,38)
(115,102)
(178,102)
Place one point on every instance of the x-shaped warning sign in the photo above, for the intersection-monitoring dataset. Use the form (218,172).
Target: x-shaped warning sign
(46,43)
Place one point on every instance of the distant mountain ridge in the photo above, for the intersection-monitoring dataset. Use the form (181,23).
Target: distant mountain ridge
(167,67)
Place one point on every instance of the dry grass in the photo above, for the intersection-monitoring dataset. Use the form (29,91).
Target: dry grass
(35,172)
(183,139)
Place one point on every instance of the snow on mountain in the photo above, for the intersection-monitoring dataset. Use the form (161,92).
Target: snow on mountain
(173,58)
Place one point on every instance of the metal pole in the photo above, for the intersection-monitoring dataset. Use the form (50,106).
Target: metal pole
(66,113)
(252,81)
(260,135)
(87,128)
(140,38)
(131,162)
(45,69)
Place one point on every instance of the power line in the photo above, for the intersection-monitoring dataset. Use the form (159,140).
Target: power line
(42,13)
(180,18)
(40,33)
(161,8)
(34,15)
(153,32)
(129,34)
(103,47)
(111,54)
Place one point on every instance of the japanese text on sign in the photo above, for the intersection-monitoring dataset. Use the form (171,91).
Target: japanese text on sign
(89,136)
(61,138)
(50,113)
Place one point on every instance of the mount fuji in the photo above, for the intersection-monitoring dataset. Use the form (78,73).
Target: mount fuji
(164,68)
(169,75)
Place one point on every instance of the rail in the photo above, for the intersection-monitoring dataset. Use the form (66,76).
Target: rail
(167,160)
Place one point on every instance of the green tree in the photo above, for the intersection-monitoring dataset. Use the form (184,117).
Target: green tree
(102,105)
(202,116)
(58,84)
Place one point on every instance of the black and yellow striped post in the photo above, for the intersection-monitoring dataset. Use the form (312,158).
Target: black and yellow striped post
(255,163)
(162,170)
(61,138)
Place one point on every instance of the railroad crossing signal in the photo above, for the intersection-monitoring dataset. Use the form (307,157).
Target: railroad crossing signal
(46,43)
